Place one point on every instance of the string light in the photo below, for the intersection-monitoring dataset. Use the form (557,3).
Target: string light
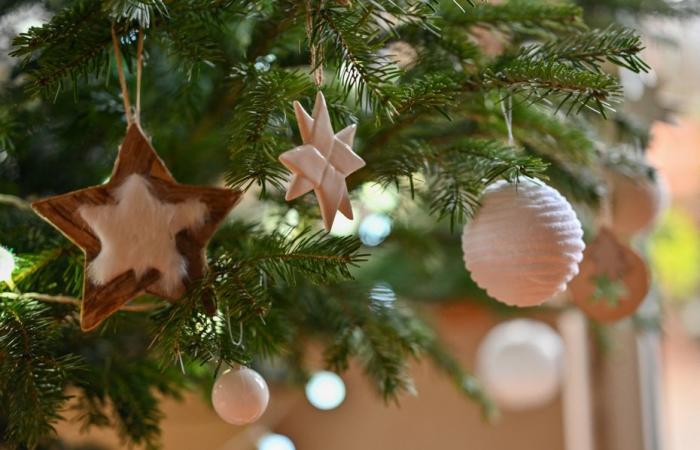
(374,229)
(7,265)
(325,390)
(274,441)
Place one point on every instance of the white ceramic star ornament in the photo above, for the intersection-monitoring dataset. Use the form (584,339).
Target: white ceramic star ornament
(323,161)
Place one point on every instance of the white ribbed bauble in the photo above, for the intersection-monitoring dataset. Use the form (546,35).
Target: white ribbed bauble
(240,396)
(520,363)
(524,244)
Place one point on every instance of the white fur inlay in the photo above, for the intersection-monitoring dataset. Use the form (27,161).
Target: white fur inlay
(138,232)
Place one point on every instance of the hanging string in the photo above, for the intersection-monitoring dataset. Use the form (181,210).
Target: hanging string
(314,50)
(139,70)
(122,79)
(239,341)
(131,116)
(507,109)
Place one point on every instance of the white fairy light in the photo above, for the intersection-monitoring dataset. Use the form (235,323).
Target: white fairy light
(7,264)
(325,390)
(374,229)
(274,441)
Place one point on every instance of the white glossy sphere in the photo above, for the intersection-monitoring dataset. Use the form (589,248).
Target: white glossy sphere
(520,364)
(524,244)
(636,203)
(240,396)
(7,264)
(325,390)
(273,441)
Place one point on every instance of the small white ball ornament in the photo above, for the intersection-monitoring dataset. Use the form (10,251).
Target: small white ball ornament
(520,364)
(524,243)
(240,396)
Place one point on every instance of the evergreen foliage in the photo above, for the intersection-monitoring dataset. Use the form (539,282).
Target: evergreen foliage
(219,80)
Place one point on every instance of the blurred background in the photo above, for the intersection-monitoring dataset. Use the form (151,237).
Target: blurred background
(630,386)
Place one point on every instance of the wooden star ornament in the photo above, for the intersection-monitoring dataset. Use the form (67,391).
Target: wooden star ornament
(142,232)
(323,161)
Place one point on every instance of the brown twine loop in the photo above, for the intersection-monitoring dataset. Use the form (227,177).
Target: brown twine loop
(131,116)
(315,50)
(139,70)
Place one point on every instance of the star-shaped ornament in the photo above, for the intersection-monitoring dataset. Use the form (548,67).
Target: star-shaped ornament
(142,232)
(323,161)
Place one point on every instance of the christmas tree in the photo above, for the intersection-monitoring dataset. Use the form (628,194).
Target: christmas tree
(448,97)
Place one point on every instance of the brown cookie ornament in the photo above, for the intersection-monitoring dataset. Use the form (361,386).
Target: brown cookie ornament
(142,232)
(613,279)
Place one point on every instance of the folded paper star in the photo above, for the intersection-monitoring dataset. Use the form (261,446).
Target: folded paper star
(141,232)
(323,161)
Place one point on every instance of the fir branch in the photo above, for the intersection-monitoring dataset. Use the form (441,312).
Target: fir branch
(38,271)
(67,300)
(589,50)
(557,136)
(259,115)
(361,70)
(430,92)
(242,281)
(523,16)
(383,339)
(679,9)
(33,375)
(15,201)
(122,384)
(457,174)
(140,11)
(392,14)
(551,81)
(71,46)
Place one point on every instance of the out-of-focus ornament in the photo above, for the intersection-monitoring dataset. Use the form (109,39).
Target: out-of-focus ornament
(524,244)
(240,396)
(635,203)
(613,280)
(520,364)
(323,161)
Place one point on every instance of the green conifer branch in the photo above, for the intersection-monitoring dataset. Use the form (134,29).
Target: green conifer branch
(523,16)
(33,376)
(589,50)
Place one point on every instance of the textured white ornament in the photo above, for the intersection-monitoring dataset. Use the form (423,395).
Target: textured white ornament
(240,396)
(524,243)
(635,203)
(520,364)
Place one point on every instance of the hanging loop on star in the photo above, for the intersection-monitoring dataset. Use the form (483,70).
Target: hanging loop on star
(132,117)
